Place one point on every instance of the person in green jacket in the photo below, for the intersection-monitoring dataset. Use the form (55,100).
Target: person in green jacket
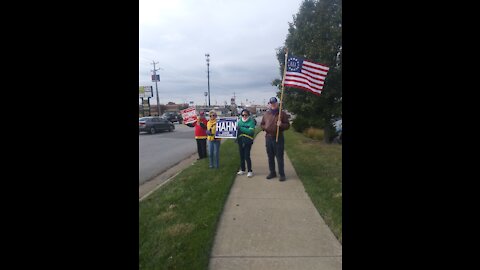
(246,131)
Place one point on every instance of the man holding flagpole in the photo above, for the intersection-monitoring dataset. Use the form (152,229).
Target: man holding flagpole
(274,141)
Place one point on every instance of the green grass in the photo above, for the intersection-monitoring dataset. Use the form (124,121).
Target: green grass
(178,222)
(319,167)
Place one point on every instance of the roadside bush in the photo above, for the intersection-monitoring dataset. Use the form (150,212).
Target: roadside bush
(300,124)
(314,133)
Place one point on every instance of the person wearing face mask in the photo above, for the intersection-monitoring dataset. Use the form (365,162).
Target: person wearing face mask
(275,149)
(246,131)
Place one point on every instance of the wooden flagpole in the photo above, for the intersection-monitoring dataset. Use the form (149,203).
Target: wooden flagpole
(281,96)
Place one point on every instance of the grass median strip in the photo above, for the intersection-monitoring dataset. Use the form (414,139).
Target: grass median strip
(319,167)
(178,221)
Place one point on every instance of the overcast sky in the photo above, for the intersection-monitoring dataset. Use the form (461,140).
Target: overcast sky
(240,35)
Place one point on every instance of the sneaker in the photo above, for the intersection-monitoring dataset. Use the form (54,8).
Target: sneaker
(271,175)
(282,178)
(240,172)
(250,174)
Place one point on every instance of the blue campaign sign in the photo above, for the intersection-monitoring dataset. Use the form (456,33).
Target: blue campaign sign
(226,128)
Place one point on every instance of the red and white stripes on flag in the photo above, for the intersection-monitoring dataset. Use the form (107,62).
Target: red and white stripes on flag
(304,74)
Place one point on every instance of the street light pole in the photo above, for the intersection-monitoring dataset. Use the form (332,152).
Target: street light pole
(208,76)
(156,86)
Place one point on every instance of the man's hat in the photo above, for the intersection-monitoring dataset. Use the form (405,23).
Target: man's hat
(273,100)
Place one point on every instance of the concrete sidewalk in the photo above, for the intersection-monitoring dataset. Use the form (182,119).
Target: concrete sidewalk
(268,224)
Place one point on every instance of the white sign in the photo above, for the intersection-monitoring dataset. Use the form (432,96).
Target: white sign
(148,91)
(145,91)
(189,115)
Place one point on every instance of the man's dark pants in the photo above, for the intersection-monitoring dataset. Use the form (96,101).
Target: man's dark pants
(275,149)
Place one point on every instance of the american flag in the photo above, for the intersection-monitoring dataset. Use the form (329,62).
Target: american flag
(305,74)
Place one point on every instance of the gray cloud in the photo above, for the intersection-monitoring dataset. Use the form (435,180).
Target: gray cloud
(240,36)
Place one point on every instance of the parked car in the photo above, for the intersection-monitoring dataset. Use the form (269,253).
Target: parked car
(153,124)
(173,117)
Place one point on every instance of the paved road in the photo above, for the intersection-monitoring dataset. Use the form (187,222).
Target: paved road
(160,151)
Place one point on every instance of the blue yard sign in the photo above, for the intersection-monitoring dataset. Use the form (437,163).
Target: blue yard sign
(226,128)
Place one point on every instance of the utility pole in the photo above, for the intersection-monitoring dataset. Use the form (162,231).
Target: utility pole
(207,55)
(156,85)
